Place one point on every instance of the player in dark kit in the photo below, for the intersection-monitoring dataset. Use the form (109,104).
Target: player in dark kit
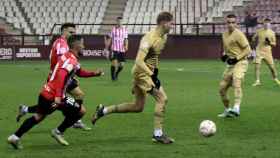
(52,96)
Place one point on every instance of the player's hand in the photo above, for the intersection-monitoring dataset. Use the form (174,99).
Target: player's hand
(232,61)
(106,53)
(99,72)
(155,79)
(224,58)
(267,42)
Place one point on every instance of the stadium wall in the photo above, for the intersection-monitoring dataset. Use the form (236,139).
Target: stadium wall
(178,47)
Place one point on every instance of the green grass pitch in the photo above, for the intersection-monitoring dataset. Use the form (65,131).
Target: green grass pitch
(193,96)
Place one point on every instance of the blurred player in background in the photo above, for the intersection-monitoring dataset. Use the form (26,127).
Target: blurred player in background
(266,40)
(59,48)
(145,79)
(118,40)
(236,50)
(53,95)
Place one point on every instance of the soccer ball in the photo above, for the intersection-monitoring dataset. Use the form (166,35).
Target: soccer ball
(207,128)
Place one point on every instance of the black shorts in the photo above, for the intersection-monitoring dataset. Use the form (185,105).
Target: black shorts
(68,108)
(45,106)
(120,56)
(73,84)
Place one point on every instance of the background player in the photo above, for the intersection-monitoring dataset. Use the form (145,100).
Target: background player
(266,40)
(236,50)
(145,73)
(52,96)
(59,48)
(118,40)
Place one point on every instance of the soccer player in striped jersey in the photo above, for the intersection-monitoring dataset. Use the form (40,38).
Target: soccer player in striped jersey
(118,40)
(53,95)
(59,48)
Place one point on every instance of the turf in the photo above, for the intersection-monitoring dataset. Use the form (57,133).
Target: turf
(192,89)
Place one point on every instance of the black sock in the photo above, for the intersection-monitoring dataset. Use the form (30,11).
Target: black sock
(113,74)
(118,71)
(68,122)
(26,126)
(32,109)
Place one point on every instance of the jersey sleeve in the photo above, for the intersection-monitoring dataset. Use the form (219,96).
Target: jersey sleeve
(145,45)
(242,40)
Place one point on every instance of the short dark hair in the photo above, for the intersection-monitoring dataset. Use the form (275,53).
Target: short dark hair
(231,16)
(164,16)
(267,20)
(72,39)
(119,18)
(66,25)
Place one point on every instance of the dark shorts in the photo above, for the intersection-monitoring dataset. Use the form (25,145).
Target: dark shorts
(73,84)
(68,108)
(120,56)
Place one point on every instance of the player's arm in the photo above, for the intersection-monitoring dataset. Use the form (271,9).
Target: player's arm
(273,40)
(126,41)
(85,73)
(126,45)
(107,41)
(59,81)
(244,45)
(141,55)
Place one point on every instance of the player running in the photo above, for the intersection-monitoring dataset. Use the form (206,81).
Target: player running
(59,48)
(145,76)
(52,96)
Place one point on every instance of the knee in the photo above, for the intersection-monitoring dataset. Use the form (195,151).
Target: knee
(82,111)
(38,117)
(138,108)
(79,95)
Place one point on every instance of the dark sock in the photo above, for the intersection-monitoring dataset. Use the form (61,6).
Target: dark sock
(118,71)
(113,74)
(32,109)
(68,122)
(26,126)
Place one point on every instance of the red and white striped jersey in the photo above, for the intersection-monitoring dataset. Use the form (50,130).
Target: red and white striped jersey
(59,48)
(63,73)
(118,36)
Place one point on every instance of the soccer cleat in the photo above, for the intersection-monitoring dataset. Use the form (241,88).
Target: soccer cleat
(21,112)
(257,83)
(15,142)
(80,125)
(58,136)
(164,139)
(277,81)
(226,113)
(98,114)
(234,112)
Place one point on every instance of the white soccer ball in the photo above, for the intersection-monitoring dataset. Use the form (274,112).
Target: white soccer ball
(207,128)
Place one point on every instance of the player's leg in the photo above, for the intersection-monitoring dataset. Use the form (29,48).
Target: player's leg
(238,76)
(161,101)
(24,109)
(114,66)
(270,63)
(73,112)
(257,62)
(45,107)
(78,94)
(224,86)
(136,106)
(121,61)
